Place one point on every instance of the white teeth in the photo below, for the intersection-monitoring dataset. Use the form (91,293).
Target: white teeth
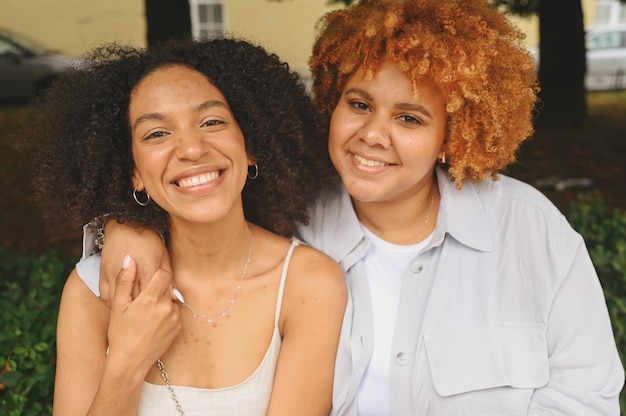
(198,180)
(369,163)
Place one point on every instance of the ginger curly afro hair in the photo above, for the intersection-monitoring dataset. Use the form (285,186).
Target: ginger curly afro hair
(473,54)
(81,134)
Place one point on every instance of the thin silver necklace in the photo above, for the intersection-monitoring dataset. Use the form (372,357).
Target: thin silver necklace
(430,211)
(209,318)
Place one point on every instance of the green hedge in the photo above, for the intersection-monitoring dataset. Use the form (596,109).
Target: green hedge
(30,289)
(604,231)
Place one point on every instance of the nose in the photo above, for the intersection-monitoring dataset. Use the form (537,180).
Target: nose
(375,133)
(190,145)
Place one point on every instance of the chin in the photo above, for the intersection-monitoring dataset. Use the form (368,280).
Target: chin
(362,191)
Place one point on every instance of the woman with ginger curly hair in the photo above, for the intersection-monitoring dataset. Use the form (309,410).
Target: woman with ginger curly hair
(209,143)
(470,292)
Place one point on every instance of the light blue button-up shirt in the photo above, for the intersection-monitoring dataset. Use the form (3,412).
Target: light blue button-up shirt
(501,314)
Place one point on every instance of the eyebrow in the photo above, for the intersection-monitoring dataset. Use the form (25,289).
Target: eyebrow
(158,116)
(402,106)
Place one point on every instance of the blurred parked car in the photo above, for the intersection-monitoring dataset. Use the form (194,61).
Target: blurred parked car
(606,58)
(26,67)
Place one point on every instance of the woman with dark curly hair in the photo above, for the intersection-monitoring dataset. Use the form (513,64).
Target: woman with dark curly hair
(470,292)
(210,143)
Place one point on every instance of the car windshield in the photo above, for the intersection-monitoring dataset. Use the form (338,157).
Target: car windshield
(604,41)
(24,41)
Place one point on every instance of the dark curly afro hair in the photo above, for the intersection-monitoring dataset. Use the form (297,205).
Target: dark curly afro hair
(80,130)
(472,53)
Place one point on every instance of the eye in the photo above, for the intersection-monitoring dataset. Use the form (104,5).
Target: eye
(359,105)
(212,122)
(156,134)
(408,119)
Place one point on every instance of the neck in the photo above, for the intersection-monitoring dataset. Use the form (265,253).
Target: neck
(209,266)
(403,222)
(209,250)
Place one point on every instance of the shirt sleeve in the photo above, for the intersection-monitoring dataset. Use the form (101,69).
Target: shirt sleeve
(88,270)
(586,374)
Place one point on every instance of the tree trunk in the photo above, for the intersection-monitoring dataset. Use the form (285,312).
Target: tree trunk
(561,64)
(167,19)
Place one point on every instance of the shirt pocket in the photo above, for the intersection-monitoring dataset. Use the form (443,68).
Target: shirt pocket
(487,356)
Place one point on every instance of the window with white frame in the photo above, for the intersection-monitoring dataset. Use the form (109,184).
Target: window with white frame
(610,12)
(207,18)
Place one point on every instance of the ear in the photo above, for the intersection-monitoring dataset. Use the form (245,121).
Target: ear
(442,158)
(137,181)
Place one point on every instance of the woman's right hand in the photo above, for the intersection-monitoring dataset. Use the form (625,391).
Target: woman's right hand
(140,330)
(146,324)
(145,246)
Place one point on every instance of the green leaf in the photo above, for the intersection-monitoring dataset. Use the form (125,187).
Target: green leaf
(11,378)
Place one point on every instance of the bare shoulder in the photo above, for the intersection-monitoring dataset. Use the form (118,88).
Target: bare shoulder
(315,297)
(308,266)
(311,274)
(316,273)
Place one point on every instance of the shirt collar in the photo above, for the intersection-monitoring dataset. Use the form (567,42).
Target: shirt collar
(462,214)
(343,239)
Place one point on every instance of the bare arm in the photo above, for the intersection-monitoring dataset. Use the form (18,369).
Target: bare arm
(88,380)
(313,308)
(145,246)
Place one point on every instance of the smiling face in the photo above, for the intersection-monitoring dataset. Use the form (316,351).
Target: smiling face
(188,150)
(384,139)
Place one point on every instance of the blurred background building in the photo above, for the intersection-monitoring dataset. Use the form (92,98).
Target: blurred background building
(285,27)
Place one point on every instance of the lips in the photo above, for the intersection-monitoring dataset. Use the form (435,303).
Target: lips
(369,163)
(198,179)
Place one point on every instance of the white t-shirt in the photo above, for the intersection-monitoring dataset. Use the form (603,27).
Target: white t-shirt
(385,265)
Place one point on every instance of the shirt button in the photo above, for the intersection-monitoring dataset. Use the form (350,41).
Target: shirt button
(417,267)
(402,358)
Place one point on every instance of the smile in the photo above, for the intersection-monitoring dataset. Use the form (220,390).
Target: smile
(369,163)
(198,180)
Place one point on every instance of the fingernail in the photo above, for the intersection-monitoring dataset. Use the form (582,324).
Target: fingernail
(178,295)
(126,262)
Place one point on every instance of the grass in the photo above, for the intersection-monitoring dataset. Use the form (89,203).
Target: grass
(596,151)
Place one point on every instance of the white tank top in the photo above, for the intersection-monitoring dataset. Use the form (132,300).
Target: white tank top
(248,398)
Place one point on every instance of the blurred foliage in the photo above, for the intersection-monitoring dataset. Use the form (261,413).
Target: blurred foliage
(30,291)
(604,231)
(518,7)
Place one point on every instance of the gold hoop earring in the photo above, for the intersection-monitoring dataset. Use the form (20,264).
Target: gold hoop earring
(442,158)
(256,171)
(138,201)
